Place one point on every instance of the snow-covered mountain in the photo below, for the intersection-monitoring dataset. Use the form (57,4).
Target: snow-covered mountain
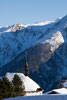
(17,38)
(46,43)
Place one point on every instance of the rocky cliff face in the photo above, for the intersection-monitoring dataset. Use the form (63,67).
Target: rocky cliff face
(46,45)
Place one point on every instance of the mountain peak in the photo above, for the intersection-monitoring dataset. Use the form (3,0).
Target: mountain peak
(59,18)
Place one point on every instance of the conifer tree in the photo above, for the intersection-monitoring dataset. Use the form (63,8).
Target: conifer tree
(6,88)
(19,88)
(1,96)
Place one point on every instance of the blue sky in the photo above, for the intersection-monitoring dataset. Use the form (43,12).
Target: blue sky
(30,11)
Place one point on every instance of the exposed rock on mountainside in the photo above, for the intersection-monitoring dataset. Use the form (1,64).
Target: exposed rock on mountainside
(46,44)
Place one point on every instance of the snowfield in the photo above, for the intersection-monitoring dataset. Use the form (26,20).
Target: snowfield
(41,97)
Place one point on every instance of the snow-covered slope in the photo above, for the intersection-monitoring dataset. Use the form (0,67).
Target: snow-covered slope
(40,97)
(17,38)
(29,84)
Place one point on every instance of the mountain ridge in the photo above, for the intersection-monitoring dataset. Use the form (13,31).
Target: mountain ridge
(46,51)
(17,38)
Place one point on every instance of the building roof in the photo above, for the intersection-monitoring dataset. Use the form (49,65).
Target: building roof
(58,91)
(29,84)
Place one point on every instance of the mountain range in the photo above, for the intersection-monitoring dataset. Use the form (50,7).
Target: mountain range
(46,47)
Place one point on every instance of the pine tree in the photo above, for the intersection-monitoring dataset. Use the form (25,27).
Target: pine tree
(1,96)
(19,88)
(6,88)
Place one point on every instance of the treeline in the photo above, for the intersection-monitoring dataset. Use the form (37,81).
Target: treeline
(11,89)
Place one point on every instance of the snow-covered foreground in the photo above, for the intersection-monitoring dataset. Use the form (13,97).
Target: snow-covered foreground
(41,97)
